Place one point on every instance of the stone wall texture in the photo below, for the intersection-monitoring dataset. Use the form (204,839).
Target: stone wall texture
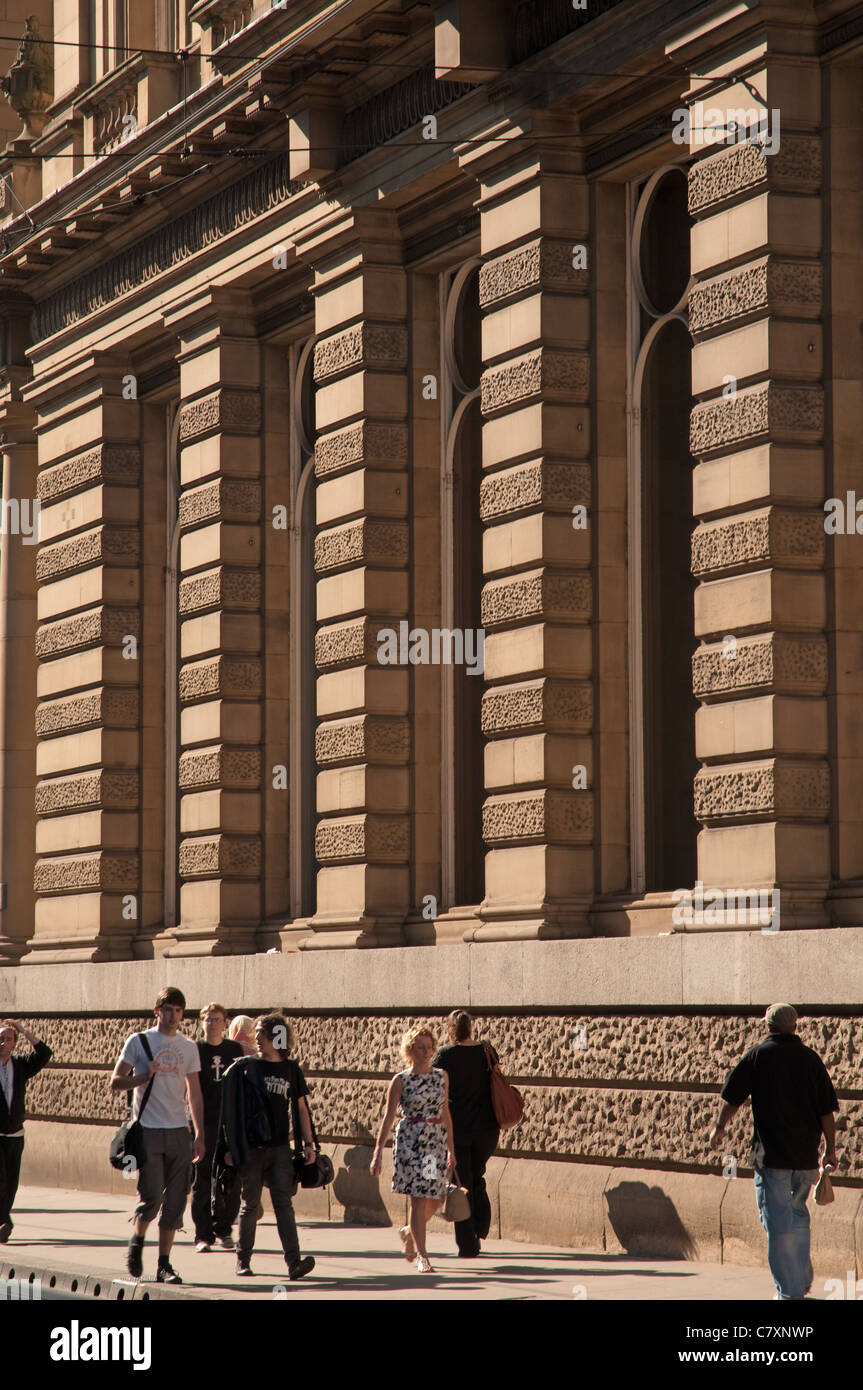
(637,1089)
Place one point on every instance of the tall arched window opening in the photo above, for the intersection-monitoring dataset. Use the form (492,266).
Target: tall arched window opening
(462,771)
(662,705)
(302,675)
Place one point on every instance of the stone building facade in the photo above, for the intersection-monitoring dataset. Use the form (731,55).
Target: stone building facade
(525,331)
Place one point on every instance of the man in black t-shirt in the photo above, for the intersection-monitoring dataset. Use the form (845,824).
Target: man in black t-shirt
(258,1098)
(213,1213)
(793,1101)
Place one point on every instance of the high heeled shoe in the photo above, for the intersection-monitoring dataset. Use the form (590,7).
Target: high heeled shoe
(408,1246)
(423,1265)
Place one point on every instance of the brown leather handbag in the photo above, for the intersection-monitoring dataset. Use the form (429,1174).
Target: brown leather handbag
(507,1102)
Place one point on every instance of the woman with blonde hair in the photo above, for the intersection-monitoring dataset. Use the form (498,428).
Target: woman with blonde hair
(241,1029)
(423,1149)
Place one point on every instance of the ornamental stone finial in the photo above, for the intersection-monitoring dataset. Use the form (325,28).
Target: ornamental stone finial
(29,84)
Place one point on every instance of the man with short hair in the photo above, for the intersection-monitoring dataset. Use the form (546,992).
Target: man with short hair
(15,1072)
(258,1097)
(214,1212)
(793,1101)
(172,1062)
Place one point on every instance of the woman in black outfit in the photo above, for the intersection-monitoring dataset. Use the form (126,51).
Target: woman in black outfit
(475,1128)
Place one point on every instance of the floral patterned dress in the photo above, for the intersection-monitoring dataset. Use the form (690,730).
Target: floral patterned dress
(419,1155)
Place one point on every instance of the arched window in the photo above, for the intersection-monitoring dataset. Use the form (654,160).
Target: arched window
(662,705)
(462,759)
(303,771)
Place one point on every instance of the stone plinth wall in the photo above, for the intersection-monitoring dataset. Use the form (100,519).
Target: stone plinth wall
(611,1153)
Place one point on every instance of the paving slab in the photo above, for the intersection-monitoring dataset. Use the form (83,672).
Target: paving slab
(81,1237)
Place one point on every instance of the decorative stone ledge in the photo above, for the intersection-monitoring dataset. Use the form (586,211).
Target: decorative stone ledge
(796,167)
(538,705)
(537,594)
(362,542)
(770,285)
(220,767)
(222,588)
(107,544)
(546,373)
(102,869)
(107,463)
(540,483)
(371,838)
(99,626)
(544,264)
(793,539)
(229,677)
(786,665)
(788,414)
(236,855)
(104,790)
(347,644)
(235,412)
(549,816)
(376,346)
(369,443)
(107,708)
(777,788)
(363,738)
(225,499)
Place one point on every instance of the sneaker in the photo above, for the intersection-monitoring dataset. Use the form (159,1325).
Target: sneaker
(226,1242)
(166,1275)
(203,1247)
(5,1232)
(300,1268)
(242,1267)
(135,1258)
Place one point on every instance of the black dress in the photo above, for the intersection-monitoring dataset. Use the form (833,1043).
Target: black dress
(475,1132)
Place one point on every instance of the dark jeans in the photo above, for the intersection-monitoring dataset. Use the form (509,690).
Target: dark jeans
(10,1171)
(275,1167)
(213,1213)
(471,1157)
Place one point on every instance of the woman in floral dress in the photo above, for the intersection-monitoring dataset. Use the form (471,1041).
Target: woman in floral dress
(423,1149)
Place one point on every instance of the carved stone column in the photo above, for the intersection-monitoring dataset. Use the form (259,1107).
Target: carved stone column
(361,559)
(537,602)
(17,670)
(87,794)
(220,682)
(763,792)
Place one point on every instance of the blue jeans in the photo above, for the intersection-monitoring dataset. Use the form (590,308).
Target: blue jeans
(781,1195)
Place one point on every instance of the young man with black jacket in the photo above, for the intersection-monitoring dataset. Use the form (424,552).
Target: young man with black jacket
(15,1072)
(214,1209)
(258,1097)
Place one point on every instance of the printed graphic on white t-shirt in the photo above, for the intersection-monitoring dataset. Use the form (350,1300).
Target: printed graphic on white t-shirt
(177,1058)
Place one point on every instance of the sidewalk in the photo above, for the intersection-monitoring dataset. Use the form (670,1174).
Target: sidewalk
(84,1234)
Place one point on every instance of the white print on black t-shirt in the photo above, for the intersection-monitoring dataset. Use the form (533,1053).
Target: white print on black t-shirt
(218,1063)
(280,1085)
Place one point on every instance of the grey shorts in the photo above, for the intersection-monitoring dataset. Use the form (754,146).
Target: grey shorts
(165,1176)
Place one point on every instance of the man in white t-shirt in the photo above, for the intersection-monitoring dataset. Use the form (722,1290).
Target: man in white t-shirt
(166,1164)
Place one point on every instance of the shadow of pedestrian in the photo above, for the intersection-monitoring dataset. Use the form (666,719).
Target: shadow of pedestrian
(358,1192)
(645,1221)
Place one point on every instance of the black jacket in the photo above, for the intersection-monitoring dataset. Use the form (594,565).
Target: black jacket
(244,1118)
(22,1069)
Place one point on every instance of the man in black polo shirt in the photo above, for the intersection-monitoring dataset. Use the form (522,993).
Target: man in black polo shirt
(793,1101)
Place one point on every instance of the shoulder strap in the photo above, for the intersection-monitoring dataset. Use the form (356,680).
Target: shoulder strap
(488,1057)
(142,1037)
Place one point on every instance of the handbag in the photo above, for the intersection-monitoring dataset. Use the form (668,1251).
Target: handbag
(824,1189)
(456,1205)
(127,1147)
(507,1102)
(320,1171)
